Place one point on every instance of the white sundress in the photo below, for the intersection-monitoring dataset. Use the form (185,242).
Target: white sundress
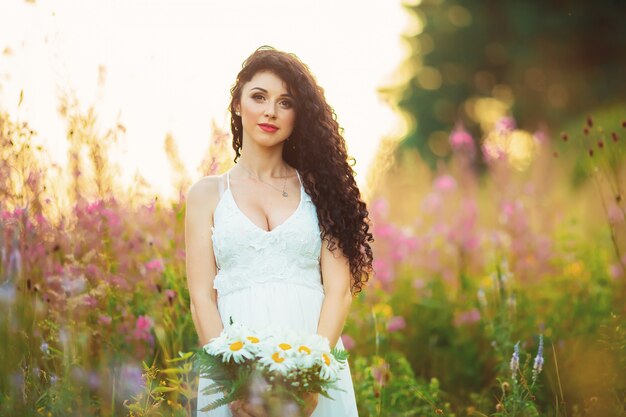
(272,278)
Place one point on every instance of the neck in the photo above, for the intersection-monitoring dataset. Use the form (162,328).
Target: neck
(264,162)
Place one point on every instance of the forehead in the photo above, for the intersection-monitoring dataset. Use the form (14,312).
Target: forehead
(268,81)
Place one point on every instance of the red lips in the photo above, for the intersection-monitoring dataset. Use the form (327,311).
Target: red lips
(268,127)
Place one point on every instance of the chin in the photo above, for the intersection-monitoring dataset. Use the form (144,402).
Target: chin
(269,143)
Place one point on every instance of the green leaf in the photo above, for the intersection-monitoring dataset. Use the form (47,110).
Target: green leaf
(163,389)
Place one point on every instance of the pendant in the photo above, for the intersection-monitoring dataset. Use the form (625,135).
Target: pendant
(285,194)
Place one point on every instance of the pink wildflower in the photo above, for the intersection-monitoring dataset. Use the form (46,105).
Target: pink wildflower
(396,323)
(615,214)
(616,271)
(381,373)
(382,270)
(384,230)
(445,183)
(171,295)
(90,301)
(143,325)
(380,207)
(155,265)
(461,140)
(467,317)
(432,203)
(348,341)
(505,125)
(419,283)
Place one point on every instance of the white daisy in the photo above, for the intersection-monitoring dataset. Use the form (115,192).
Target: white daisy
(235,342)
(277,358)
(329,366)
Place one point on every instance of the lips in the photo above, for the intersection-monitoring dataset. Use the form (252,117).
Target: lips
(267,127)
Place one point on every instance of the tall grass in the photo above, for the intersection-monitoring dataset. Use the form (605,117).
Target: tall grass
(499,285)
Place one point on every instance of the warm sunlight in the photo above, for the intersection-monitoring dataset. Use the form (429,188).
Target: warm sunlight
(160,67)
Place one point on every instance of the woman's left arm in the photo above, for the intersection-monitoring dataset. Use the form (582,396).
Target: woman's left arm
(335,268)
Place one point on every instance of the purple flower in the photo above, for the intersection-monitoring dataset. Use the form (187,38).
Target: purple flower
(131,380)
(538,364)
(7,294)
(45,348)
(515,360)
(15,263)
(93,379)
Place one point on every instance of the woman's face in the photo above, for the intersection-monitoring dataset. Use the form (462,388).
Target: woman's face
(267,110)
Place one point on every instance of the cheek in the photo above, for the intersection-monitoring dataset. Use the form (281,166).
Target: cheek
(292,119)
(248,107)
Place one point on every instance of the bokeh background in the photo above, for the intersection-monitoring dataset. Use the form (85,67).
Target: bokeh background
(488,139)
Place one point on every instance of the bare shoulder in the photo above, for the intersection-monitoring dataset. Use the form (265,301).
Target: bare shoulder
(204,193)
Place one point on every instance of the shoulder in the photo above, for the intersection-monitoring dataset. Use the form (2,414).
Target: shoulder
(204,193)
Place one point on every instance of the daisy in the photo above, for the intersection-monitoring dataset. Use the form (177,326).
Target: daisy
(277,358)
(235,342)
(329,366)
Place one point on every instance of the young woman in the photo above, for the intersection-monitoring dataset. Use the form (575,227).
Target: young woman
(282,238)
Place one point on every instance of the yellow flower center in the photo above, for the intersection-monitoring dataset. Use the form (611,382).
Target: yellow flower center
(277,358)
(253,339)
(304,349)
(236,346)
(285,346)
(326,359)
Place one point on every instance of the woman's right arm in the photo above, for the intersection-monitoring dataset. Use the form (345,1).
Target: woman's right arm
(202,198)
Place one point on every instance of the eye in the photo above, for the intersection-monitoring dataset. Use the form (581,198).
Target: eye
(286,104)
(257,96)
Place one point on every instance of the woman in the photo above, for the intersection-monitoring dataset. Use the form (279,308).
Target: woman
(286,225)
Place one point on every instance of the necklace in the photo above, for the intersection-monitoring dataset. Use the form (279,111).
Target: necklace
(285,194)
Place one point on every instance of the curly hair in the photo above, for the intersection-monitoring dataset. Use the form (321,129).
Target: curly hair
(317,150)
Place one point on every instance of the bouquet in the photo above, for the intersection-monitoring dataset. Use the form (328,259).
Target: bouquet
(268,367)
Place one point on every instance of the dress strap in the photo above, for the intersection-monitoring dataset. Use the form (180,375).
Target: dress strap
(299,179)
(228,179)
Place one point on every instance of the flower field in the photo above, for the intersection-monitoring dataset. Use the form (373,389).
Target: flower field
(499,286)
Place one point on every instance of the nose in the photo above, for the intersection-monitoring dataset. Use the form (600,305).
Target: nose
(270,110)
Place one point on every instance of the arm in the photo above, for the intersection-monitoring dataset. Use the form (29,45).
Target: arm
(200,262)
(337,295)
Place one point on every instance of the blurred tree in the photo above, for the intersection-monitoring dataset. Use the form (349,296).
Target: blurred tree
(539,61)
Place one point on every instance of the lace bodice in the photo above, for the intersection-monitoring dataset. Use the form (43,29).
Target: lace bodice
(247,255)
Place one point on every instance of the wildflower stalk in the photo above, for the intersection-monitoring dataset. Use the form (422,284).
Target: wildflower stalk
(602,167)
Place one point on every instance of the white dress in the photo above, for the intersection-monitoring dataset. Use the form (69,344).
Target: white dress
(272,278)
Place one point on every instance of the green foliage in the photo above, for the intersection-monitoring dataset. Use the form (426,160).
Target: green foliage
(541,61)
(388,387)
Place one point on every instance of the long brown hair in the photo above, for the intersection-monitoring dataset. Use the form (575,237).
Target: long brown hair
(317,150)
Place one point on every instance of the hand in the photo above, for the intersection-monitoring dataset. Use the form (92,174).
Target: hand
(310,403)
(242,408)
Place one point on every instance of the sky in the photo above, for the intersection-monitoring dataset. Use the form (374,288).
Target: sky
(168,66)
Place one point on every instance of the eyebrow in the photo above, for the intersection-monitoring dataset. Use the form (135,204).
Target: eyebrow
(265,91)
